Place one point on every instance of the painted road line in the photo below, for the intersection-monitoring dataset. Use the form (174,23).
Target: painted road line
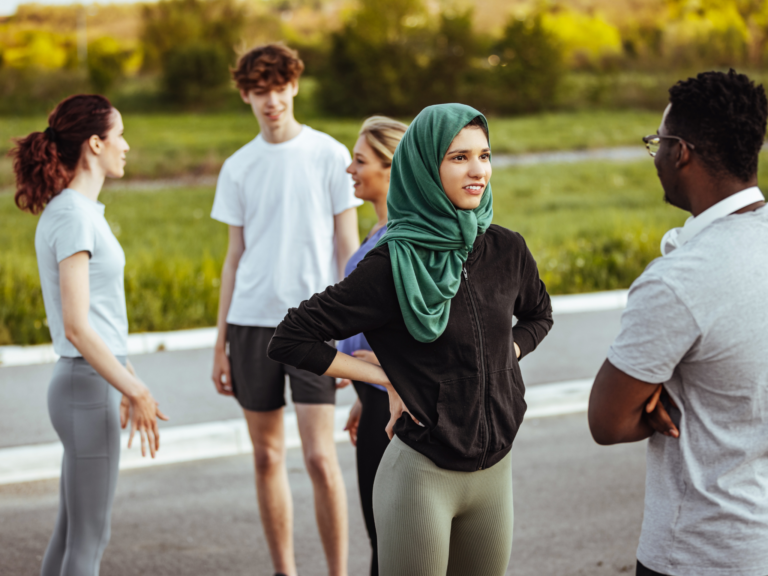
(199,338)
(230,437)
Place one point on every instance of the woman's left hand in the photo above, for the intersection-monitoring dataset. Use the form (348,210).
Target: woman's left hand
(396,409)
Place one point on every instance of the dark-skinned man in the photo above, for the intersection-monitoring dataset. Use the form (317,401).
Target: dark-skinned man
(689,368)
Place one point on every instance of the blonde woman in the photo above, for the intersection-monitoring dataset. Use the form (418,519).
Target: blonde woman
(370,167)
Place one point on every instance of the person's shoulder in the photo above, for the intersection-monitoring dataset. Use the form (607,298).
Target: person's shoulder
(324,142)
(243,154)
(501,236)
(63,206)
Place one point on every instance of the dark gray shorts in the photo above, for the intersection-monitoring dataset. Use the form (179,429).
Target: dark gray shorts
(259,383)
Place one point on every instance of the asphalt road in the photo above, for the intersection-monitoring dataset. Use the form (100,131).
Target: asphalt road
(578,509)
(575,348)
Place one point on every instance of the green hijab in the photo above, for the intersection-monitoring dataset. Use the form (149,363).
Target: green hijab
(429,238)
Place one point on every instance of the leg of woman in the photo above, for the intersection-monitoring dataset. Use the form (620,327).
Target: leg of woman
(414,503)
(84,410)
(372,441)
(481,538)
(54,554)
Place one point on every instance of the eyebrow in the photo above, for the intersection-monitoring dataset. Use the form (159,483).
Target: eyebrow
(465,151)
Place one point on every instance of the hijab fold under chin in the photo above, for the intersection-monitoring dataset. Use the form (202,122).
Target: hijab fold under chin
(429,238)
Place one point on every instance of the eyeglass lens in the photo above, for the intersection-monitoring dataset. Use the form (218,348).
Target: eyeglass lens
(653,145)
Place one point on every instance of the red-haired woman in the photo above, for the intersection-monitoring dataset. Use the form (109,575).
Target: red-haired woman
(60,172)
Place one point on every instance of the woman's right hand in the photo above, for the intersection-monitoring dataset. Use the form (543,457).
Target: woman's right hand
(222,372)
(353,422)
(144,412)
(396,409)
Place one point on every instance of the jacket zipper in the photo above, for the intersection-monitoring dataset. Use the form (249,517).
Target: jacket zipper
(483,382)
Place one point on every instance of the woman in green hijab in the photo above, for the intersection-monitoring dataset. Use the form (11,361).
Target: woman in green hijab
(436,300)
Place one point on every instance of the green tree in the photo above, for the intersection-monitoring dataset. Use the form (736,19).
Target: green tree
(169,24)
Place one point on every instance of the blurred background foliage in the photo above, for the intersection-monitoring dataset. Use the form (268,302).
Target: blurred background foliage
(552,75)
(372,56)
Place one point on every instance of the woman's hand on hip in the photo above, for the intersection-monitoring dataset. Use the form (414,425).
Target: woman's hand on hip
(396,409)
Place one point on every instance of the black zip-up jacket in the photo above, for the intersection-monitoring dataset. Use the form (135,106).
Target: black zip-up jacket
(465,387)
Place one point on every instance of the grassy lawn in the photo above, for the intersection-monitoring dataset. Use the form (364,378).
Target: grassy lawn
(165,146)
(590,226)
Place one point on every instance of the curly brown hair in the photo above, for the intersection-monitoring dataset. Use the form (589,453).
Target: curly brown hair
(45,162)
(268,66)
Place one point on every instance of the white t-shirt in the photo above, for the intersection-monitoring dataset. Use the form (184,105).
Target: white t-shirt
(285,197)
(696,320)
(69,224)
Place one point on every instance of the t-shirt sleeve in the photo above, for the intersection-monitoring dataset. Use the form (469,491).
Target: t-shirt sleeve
(657,331)
(71,232)
(228,203)
(342,188)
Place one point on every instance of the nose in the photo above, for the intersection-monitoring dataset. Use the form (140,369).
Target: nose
(351,168)
(272,99)
(477,169)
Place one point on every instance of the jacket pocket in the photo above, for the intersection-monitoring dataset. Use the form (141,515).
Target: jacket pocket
(459,411)
(507,405)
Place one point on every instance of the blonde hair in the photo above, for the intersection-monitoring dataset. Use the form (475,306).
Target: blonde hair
(383,135)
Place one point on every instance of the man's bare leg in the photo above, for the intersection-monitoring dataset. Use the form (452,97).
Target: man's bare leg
(272,490)
(316,423)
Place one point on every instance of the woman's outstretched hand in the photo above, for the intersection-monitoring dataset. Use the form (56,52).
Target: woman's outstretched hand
(396,409)
(142,411)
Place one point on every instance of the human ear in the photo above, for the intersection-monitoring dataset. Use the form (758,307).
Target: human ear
(244,96)
(683,156)
(95,144)
(295,88)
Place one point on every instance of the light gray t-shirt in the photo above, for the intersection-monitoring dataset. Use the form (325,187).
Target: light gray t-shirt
(69,224)
(697,321)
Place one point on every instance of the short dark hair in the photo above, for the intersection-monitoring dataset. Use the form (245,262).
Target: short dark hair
(268,66)
(724,117)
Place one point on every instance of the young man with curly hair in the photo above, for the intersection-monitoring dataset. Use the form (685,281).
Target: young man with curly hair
(689,369)
(290,207)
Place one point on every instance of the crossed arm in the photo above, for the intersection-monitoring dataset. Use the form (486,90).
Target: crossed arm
(625,409)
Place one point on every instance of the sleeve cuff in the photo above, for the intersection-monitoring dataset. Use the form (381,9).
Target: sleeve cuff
(524,341)
(630,370)
(354,204)
(318,359)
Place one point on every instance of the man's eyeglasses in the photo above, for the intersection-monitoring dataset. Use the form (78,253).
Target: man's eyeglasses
(653,142)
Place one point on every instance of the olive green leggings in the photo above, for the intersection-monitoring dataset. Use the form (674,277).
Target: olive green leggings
(436,522)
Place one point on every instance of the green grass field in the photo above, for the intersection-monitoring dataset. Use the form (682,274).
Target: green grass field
(167,146)
(591,226)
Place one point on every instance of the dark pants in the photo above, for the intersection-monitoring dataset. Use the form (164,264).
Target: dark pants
(372,441)
(643,571)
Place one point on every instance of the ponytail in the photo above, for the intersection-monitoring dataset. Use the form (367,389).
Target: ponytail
(45,162)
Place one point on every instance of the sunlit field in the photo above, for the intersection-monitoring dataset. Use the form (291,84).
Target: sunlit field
(168,146)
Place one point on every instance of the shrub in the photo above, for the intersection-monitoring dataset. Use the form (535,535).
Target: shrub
(525,69)
(592,263)
(106,63)
(194,72)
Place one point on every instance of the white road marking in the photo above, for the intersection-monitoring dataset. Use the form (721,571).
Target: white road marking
(151,342)
(230,437)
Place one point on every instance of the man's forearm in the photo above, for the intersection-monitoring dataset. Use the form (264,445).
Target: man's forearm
(228,273)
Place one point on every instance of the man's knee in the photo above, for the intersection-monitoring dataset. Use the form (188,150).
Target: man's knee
(321,466)
(267,459)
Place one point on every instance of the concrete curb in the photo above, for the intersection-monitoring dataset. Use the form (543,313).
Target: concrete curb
(151,342)
(230,437)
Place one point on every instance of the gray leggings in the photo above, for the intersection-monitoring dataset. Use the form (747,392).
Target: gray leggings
(432,522)
(84,410)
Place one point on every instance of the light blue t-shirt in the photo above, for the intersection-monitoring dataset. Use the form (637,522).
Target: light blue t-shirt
(69,224)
